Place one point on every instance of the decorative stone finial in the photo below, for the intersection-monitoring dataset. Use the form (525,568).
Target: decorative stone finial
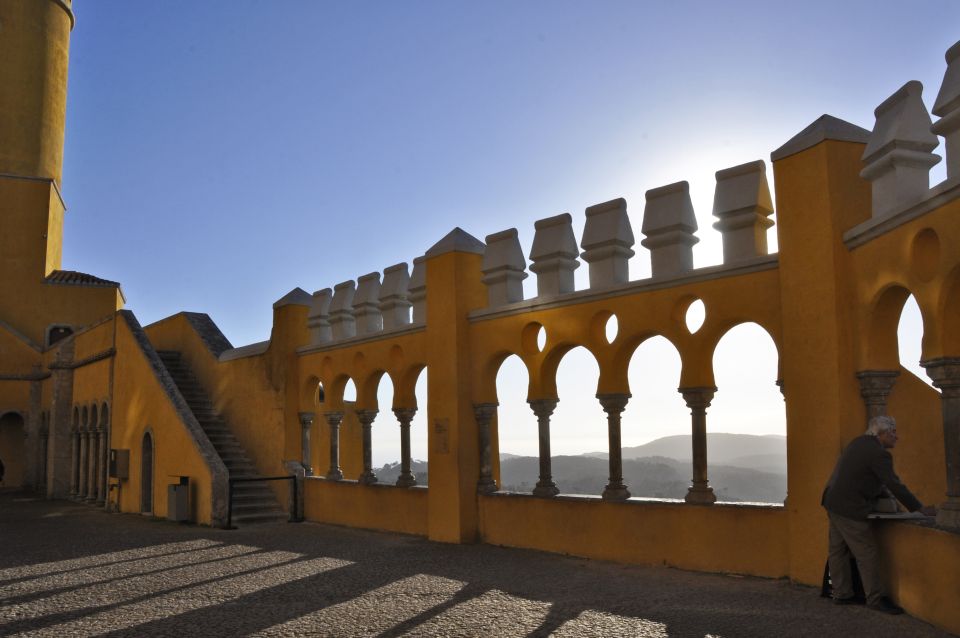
(742,203)
(318,321)
(554,255)
(504,268)
(341,311)
(417,291)
(947,108)
(608,243)
(897,159)
(366,304)
(394,305)
(669,224)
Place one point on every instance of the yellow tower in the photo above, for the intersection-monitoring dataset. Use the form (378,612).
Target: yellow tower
(38,300)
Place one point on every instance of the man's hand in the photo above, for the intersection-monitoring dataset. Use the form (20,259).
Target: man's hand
(928,510)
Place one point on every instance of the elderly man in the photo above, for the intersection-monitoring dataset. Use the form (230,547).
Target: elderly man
(863,474)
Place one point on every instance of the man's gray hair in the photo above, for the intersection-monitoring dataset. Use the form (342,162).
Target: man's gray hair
(880,424)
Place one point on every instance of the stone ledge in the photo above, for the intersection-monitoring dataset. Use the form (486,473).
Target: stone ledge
(356,341)
(636,501)
(940,195)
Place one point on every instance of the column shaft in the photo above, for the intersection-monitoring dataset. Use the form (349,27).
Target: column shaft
(484,413)
(613,405)
(74,463)
(543,408)
(945,374)
(102,469)
(698,400)
(333,420)
(366,418)
(404,417)
(84,459)
(306,423)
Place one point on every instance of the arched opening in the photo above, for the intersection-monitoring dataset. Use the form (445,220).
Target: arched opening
(656,424)
(57,333)
(385,434)
(746,422)
(12,447)
(578,427)
(146,474)
(516,428)
(418,432)
(910,339)
(350,392)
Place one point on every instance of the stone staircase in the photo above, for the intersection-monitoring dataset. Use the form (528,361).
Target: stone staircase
(253,502)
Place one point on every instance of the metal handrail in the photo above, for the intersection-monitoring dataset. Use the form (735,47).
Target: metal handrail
(294,512)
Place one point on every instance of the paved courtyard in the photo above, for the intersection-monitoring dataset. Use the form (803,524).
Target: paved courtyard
(72,570)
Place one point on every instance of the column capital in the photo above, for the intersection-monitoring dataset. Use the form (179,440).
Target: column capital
(698,397)
(405,415)
(366,417)
(614,403)
(483,412)
(543,407)
(875,385)
(945,374)
(334,418)
(306,419)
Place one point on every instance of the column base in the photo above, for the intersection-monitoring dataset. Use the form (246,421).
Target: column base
(406,480)
(307,470)
(367,478)
(335,475)
(701,495)
(948,514)
(616,492)
(546,488)
(486,486)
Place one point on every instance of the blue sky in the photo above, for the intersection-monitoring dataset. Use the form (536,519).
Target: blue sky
(219,154)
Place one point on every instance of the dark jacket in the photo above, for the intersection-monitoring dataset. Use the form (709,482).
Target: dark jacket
(864,469)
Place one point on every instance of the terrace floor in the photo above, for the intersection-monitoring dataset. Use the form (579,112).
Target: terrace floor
(72,570)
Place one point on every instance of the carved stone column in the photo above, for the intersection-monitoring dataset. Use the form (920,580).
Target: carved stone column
(306,422)
(84,459)
(334,472)
(93,448)
(74,464)
(875,387)
(405,416)
(945,374)
(484,413)
(366,418)
(613,405)
(102,467)
(698,400)
(543,408)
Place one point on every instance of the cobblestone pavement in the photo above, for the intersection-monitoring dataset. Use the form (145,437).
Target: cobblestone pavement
(72,570)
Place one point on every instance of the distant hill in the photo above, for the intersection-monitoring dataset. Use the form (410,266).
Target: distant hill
(391,471)
(655,477)
(746,450)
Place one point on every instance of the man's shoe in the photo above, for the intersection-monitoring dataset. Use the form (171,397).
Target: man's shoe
(852,600)
(886,606)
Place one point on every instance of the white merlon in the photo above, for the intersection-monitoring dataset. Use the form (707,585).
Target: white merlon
(394,304)
(554,255)
(366,304)
(897,159)
(608,243)
(341,311)
(417,290)
(669,224)
(742,204)
(947,108)
(318,321)
(504,268)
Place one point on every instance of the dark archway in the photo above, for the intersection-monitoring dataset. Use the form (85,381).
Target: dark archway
(12,443)
(146,474)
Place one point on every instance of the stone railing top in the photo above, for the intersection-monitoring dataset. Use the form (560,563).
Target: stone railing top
(554,238)
(503,252)
(669,208)
(742,187)
(902,122)
(343,297)
(948,99)
(368,289)
(607,224)
(396,279)
(250,350)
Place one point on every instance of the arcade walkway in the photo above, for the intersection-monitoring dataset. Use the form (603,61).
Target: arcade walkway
(71,570)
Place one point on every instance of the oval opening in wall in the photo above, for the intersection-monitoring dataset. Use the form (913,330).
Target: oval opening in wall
(541,339)
(612,328)
(695,316)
